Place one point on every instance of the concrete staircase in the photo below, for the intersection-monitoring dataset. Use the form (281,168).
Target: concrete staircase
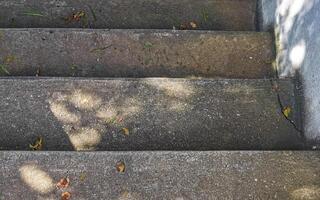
(133,99)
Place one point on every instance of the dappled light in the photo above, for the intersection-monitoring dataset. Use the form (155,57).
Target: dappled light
(178,106)
(37,179)
(306,193)
(106,112)
(290,9)
(85,100)
(129,107)
(90,118)
(85,139)
(291,45)
(62,113)
(173,88)
(297,31)
(297,55)
(71,109)
(246,89)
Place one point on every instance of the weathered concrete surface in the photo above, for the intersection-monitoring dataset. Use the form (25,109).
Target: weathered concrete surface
(136,53)
(127,14)
(297,27)
(162,175)
(160,114)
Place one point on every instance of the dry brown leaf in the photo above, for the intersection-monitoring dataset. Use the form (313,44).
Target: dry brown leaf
(82,176)
(286,111)
(63,183)
(183,27)
(65,196)
(120,119)
(125,195)
(193,25)
(121,167)
(76,16)
(126,131)
(38,144)
(189,25)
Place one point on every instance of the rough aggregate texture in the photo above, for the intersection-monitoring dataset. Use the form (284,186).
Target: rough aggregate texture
(160,114)
(128,14)
(162,175)
(135,53)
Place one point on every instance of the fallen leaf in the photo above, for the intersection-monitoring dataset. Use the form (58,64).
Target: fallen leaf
(193,25)
(75,16)
(120,119)
(121,167)
(65,196)
(189,25)
(125,194)
(82,176)
(4,70)
(38,144)
(63,183)
(148,45)
(286,111)
(78,15)
(73,67)
(125,131)
(183,27)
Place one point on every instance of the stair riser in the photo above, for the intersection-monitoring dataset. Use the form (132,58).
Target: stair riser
(136,53)
(128,14)
(160,114)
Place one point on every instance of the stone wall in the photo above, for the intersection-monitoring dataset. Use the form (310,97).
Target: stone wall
(296,24)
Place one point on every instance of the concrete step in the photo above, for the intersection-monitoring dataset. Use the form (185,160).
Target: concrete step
(135,53)
(161,175)
(145,114)
(128,14)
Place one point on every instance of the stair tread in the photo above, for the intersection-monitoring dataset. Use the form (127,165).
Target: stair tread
(160,114)
(127,14)
(136,53)
(161,175)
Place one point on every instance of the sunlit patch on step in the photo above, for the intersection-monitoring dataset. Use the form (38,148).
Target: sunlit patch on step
(297,55)
(306,193)
(85,139)
(76,111)
(238,88)
(177,106)
(85,100)
(173,88)
(129,107)
(106,112)
(37,179)
(62,113)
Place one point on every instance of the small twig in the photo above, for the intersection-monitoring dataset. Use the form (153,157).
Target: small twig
(92,12)
(34,14)
(100,49)
(4,69)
